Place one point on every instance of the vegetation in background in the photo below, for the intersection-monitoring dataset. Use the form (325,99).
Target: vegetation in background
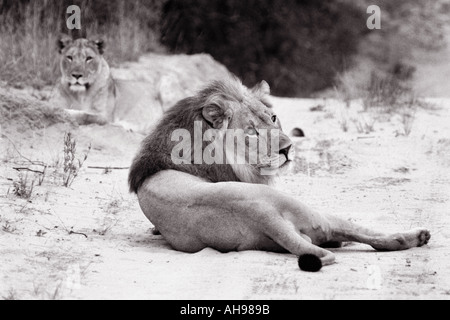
(384,67)
(29,30)
(296,45)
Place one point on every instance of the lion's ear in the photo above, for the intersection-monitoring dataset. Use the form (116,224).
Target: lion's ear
(218,117)
(262,89)
(63,41)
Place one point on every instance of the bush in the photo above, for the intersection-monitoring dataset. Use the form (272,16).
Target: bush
(298,46)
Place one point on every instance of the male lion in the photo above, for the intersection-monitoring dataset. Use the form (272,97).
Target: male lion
(91,95)
(230,206)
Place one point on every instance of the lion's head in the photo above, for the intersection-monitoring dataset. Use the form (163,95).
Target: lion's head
(227,132)
(81,62)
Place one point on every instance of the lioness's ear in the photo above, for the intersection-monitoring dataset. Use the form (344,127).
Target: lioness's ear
(217,116)
(261,89)
(100,44)
(63,41)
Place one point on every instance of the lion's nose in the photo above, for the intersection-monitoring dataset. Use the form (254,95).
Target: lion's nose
(77,75)
(285,151)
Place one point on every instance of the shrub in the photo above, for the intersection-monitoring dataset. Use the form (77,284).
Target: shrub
(72,166)
(23,187)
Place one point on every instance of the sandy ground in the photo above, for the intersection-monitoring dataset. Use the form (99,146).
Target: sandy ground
(91,241)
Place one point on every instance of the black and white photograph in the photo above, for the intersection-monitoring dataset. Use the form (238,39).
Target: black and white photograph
(247,151)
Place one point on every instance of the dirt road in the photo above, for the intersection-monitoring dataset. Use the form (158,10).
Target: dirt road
(91,241)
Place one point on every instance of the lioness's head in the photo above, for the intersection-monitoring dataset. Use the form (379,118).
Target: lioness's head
(81,61)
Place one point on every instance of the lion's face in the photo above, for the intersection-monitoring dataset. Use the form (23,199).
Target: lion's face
(258,145)
(81,62)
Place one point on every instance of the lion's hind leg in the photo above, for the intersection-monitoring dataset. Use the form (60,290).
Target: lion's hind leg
(402,240)
(348,231)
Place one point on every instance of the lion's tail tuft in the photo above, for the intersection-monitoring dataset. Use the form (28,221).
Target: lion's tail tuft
(309,262)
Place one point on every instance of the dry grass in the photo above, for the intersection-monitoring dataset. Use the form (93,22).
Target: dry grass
(23,60)
(72,165)
(386,92)
(11,295)
(8,227)
(29,31)
(379,92)
(23,187)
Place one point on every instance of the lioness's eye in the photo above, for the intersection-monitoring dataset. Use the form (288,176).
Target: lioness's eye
(274,118)
(69,58)
(251,132)
(88,59)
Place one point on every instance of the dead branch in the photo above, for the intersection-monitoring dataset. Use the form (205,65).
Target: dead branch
(80,233)
(108,168)
(28,169)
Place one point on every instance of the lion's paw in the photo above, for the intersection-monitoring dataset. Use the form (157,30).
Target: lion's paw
(417,237)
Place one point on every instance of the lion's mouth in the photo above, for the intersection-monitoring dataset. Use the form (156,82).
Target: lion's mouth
(283,162)
(274,166)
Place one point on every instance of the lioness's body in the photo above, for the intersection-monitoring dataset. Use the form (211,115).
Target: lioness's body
(91,95)
(231,207)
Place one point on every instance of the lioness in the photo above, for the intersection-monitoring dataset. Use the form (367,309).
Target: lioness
(91,95)
(231,206)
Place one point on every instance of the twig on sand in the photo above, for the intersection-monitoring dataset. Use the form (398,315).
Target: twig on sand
(80,233)
(70,232)
(110,168)
(28,169)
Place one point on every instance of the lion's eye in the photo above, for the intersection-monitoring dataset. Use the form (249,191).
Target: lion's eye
(274,118)
(69,58)
(251,132)
(88,59)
